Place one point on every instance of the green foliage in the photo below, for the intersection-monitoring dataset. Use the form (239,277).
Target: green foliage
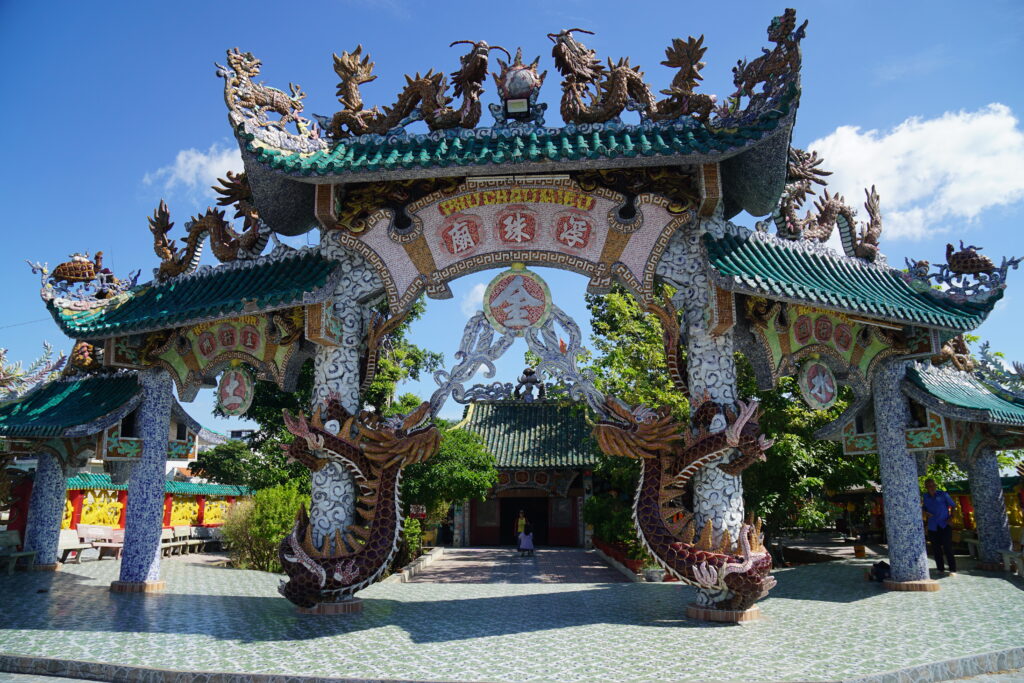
(463,469)
(629,359)
(255,528)
(256,466)
(400,360)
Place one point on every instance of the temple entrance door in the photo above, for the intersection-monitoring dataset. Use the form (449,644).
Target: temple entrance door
(536,512)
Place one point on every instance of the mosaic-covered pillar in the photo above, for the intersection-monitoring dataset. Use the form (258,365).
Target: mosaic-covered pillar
(336,372)
(45,511)
(989,506)
(140,562)
(908,556)
(711,368)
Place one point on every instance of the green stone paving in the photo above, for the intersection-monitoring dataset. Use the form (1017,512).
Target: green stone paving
(821,622)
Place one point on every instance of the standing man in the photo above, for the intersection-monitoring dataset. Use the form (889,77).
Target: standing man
(937,505)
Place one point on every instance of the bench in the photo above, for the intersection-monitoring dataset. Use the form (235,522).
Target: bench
(9,553)
(68,543)
(187,535)
(112,545)
(169,545)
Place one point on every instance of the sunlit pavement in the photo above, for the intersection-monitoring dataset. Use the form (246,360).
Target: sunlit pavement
(822,622)
(505,565)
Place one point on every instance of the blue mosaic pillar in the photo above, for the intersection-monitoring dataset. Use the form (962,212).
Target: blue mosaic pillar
(45,511)
(989,505)
(140,563)
(908,556)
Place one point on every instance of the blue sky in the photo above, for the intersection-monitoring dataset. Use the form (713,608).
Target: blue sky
(112,106)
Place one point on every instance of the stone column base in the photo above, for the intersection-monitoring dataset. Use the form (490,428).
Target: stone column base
(729,616)
(353,606)
(55,567)
(989,566)
(137,586)
(924,585)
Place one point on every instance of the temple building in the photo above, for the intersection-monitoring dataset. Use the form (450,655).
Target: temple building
(544,454)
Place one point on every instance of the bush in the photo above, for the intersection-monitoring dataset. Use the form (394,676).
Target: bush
(409,545)
(255,527)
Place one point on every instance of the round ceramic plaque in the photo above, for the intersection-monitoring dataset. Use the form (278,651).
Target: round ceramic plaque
(517,299)
(235,390)
(818,385)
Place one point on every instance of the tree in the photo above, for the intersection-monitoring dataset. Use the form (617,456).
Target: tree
(256,466)
(463,469)
(255,527)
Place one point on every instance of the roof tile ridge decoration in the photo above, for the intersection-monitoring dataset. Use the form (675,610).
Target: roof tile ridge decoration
(929,378)
(279,254)
(821,249)
(767,93)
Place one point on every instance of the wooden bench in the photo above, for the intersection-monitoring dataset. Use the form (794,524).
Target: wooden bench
(69,543)
(112,546)
(9,553)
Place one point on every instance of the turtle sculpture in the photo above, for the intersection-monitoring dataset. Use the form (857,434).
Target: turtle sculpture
(78,269)
(968,261)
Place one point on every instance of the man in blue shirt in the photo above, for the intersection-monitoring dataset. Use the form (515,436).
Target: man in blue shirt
(936,506)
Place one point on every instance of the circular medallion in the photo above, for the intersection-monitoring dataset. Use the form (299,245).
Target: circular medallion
(818,385)
(517,299)
(235,390)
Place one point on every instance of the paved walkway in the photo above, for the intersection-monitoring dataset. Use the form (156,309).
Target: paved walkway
(822,622)
(504,565)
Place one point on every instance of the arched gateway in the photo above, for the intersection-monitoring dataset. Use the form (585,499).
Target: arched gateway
(400,214)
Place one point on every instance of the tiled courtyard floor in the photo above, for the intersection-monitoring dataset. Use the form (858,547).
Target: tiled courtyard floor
(505,565)
(822,622)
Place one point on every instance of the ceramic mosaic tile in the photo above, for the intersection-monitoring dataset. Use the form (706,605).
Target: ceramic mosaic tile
(821,622)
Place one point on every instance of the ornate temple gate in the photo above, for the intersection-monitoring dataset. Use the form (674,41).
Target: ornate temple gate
(402,214)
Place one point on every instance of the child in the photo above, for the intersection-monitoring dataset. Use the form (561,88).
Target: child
(526,541)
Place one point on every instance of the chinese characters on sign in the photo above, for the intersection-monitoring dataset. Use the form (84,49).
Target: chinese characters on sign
(570,230)
(517,299)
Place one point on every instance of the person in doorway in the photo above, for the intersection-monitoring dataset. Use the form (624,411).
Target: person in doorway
(937,505)
(521,523)
(526,541)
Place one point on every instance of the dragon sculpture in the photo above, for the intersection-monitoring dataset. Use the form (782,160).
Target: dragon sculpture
(802,173)
(620,86)
(225,243)
(955,351)
(374,451)
(423,96)
(242,92)
(734,572)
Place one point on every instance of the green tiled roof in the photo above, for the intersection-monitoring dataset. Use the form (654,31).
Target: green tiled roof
(965,391)
(963,486)
(55,407)
(372,153)
(532,435)
(208,294)
(769,268)
(89,480)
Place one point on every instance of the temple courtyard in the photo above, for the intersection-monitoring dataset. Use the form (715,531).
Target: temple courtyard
(559,616)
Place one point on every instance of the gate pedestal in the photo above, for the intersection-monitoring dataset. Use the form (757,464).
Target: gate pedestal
(353,606)
(728,616)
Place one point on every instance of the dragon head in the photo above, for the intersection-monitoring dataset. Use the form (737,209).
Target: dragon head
(244,62)
(574,60)
(473,65)
(637,433)
(744,434)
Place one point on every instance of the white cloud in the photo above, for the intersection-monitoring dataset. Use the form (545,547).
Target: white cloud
(473,301)
(932,174)
(196,171)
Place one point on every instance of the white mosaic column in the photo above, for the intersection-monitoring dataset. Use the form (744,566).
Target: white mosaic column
(901,495)
(45,511)
(711,371)
(989,505)
(336,372)
(717,496)
(140,562)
